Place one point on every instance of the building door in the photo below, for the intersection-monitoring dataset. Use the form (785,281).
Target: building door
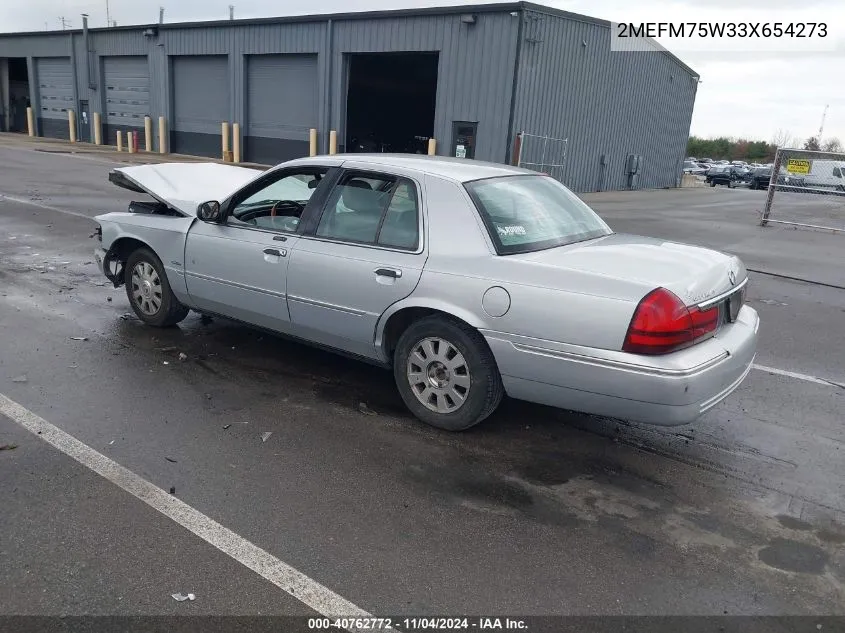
(463,139)
(84,122)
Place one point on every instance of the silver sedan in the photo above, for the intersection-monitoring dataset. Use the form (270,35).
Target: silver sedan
(469,280)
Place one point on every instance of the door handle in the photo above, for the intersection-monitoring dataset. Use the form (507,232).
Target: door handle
(389,272)
(275,251)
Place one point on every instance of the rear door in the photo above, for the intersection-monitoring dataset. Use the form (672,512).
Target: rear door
(364,253)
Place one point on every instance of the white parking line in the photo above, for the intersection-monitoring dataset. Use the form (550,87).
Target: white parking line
(294,582)
(41,205)
(792,374)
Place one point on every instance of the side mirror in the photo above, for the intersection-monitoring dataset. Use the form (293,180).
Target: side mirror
(209,211)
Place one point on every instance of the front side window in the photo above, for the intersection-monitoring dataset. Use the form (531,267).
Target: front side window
(529,213)
(277,204)
(369,209)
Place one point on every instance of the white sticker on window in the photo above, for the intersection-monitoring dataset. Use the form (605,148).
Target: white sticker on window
(511,230)
(460,151)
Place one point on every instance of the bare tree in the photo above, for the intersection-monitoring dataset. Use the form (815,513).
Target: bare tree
(832,145)
(812,143)
(783,138)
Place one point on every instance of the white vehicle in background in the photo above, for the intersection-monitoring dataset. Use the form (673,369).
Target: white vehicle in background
(691,167)
(826,174)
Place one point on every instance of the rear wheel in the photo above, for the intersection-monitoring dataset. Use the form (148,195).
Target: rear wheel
(149,291)
(446,374)
(712,183)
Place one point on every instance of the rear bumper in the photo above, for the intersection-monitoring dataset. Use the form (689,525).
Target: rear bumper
(666,390)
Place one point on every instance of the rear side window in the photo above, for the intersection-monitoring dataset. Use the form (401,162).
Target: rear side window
(837,172)
(530,213)
(372,209)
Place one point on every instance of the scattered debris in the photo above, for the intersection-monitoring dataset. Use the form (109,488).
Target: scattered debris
(173,490)
(167,349)
(108,298)
(226,426)
(178,597)
(125,316)
(772,302)
(78,338)
(363,408)
(8,447)
(21,378)
(208,396)
(266,436)
(73,366)
(166,362)
(183,356)
(112,442)
(171,460)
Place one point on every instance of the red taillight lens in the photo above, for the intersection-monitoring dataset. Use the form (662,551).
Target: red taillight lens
(662,324)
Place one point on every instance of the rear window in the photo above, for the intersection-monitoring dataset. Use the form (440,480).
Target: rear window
(529,213)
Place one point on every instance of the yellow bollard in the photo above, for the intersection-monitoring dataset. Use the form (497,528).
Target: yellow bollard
(312,142)
(98,129)
(333,142)
(148,133)
(236,142)
(432,147)
(71,123)
(30,122)
(119,141)
(224,133)
(162,135)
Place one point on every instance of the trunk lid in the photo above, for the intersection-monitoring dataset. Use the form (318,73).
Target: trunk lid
(695,274)
(183,186)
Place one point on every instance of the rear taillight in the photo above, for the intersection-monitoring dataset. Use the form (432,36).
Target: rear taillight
(662,324)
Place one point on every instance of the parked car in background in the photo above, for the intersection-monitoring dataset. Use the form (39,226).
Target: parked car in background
(728,175)
(691,167)
(760,178)
(705,160)
(467,280)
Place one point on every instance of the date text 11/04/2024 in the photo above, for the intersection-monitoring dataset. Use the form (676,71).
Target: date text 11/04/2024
(418,624)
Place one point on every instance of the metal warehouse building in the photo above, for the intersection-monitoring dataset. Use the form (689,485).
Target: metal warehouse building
(472,77)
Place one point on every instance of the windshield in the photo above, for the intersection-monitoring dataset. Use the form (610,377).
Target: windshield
(529,213)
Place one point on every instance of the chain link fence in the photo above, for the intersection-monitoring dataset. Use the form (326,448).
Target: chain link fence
(542,153)
(806,188)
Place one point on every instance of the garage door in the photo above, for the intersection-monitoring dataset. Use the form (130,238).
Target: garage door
(282,106)
(127,88)
(200,103)
(55,95)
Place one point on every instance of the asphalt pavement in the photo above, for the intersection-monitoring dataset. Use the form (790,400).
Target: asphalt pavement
(534,512)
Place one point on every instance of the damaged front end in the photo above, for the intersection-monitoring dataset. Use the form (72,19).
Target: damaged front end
(110,262)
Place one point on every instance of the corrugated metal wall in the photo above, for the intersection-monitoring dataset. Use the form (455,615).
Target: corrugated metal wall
(571,85)
(475,75)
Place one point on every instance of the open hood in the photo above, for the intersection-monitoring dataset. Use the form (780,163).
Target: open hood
(183,186)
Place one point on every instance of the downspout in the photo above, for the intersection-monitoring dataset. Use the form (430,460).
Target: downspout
(512,114)
(329,83)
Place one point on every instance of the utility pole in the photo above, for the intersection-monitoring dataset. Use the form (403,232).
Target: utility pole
(231,11)
(821,127)
(65,23)
(161,15)
(108,15)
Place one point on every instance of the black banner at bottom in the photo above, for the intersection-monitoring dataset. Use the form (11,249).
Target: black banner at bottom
(410,624)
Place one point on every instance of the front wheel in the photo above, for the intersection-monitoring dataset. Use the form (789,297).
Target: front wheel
(149,291)
(446,374)
(712,183)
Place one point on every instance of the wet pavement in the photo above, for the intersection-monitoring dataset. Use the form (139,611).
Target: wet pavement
(534,512)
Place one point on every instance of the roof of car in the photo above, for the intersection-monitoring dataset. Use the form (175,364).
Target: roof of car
(457,169)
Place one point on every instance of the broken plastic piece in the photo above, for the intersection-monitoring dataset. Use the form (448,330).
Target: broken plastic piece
(170,459)
(183,356)
(22,378)
(178,597)
(266,436)
(363,408)
(226,426)
(78,338)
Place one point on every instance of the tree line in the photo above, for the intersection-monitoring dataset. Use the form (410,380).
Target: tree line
(727,148)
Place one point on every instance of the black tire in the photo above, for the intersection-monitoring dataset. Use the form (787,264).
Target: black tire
(730,184)
(753,185)
(485,390)
(170,311)
(712,183)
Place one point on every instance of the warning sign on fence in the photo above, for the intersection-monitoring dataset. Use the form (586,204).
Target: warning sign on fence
(798,166)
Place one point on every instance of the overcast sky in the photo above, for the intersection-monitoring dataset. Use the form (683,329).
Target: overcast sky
(749,88)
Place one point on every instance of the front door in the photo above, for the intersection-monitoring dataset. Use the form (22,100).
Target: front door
(365,254)
(238,268)
(463,139)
